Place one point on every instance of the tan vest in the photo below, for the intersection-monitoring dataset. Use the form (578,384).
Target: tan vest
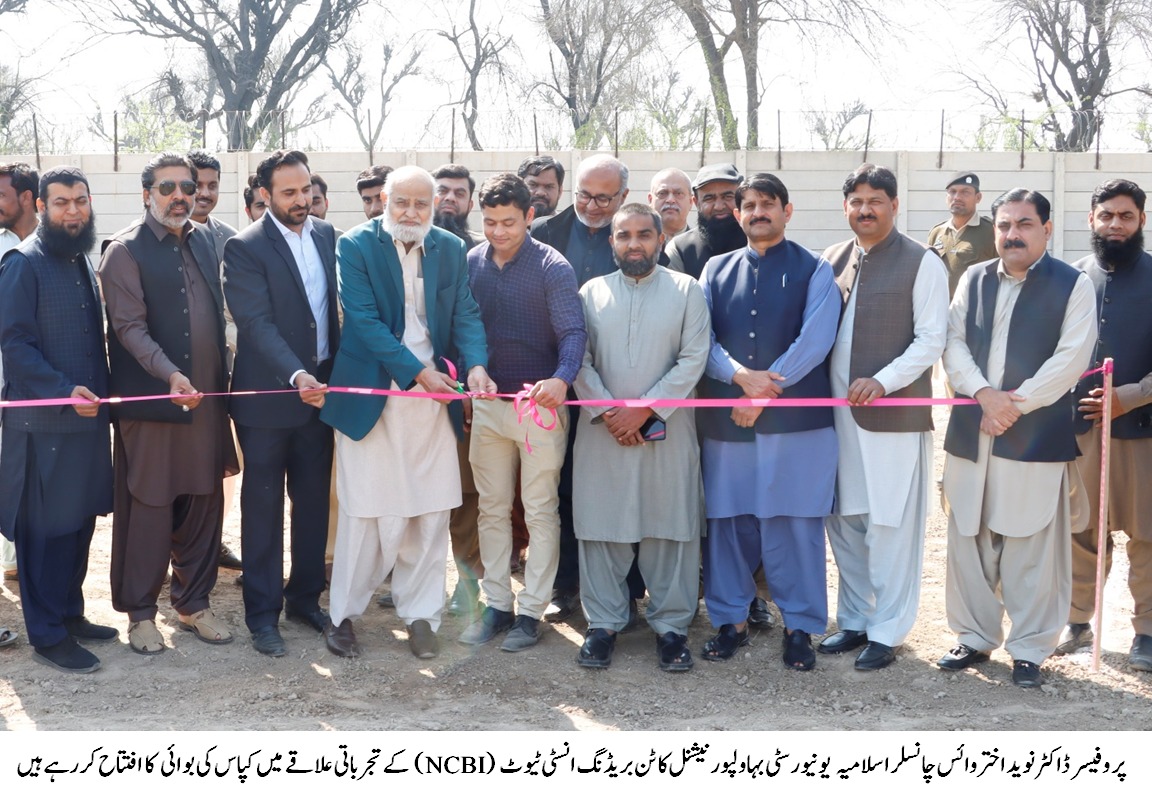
(884,326)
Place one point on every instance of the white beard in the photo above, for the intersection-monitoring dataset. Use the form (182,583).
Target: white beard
(172,223)
(594,226)
(409,234)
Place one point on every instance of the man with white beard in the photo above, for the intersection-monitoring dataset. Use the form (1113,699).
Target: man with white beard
(407,311)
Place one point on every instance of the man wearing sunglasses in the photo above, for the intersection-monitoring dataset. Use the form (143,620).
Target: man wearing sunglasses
(161,281)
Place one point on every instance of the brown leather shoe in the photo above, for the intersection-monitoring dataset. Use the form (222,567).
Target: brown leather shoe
(341,639)
(422,640)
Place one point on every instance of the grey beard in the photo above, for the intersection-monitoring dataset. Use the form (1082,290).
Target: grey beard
(405,233)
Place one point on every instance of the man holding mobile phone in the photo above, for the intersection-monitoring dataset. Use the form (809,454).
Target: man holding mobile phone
(648,337)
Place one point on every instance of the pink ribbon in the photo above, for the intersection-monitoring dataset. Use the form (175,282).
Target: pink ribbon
(526,406)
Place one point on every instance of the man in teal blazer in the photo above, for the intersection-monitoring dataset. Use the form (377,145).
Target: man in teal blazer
(407,311)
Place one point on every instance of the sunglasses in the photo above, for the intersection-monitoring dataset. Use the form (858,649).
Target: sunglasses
(166,188)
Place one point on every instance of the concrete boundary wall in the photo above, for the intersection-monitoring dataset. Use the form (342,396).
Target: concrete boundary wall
(813,179)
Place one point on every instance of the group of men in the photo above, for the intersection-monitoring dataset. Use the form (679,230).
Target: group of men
(602,302)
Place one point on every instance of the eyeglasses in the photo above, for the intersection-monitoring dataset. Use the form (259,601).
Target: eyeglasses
(166,188)
(602,201)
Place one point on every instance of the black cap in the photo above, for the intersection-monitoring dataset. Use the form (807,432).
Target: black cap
(719,172)
(64,174)
(966,177)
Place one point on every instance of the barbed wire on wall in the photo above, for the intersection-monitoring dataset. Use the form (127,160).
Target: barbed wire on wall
(141,130)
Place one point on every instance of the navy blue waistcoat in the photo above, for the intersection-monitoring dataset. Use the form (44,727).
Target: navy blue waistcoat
(1124,312)
(757,312)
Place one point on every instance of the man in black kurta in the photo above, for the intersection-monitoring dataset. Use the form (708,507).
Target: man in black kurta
(55,473)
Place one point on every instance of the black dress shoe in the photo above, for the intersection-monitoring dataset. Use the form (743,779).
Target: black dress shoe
(842,641)
(1074,637)
(267,640)
(798,653)
(87,632)
(673,653)
(875,656)
(422,640)
(563,606)
(228,558)
(1026,674)
(759,615)
(341,640)
(597,649)
(724,645)
(1140,656)
(67,657)
(317,619)
(961,657)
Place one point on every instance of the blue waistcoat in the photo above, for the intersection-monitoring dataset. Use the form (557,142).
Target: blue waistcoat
(1124,313)
(757,312)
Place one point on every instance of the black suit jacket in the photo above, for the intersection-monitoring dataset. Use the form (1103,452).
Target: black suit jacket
(555,230)
(275,329)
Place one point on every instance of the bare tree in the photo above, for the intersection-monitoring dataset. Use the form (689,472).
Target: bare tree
(480,52)
(832,127)
(354,87)
(595,43)
(12,6)
(239,40)
(679,115)
(145,125)
(720,25)
(17,103)
(1074,45)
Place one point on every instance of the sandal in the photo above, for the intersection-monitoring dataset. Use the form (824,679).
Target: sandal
(672,650)
(798,653)
(144,638)
(7,636)
(723,646)
(206,626)
(597,649)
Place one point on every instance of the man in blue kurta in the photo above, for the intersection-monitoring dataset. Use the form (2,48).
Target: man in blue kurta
(769,473)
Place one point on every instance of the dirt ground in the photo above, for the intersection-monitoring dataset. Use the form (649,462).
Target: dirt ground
(236,688)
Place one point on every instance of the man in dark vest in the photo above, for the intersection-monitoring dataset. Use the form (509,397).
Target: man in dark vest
(1020,334)
(891,333)
(1121,272)
(55,470)
(161,280)
(717,230)
(769,474)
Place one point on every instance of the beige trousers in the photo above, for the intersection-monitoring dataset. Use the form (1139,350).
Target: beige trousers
(498,451)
